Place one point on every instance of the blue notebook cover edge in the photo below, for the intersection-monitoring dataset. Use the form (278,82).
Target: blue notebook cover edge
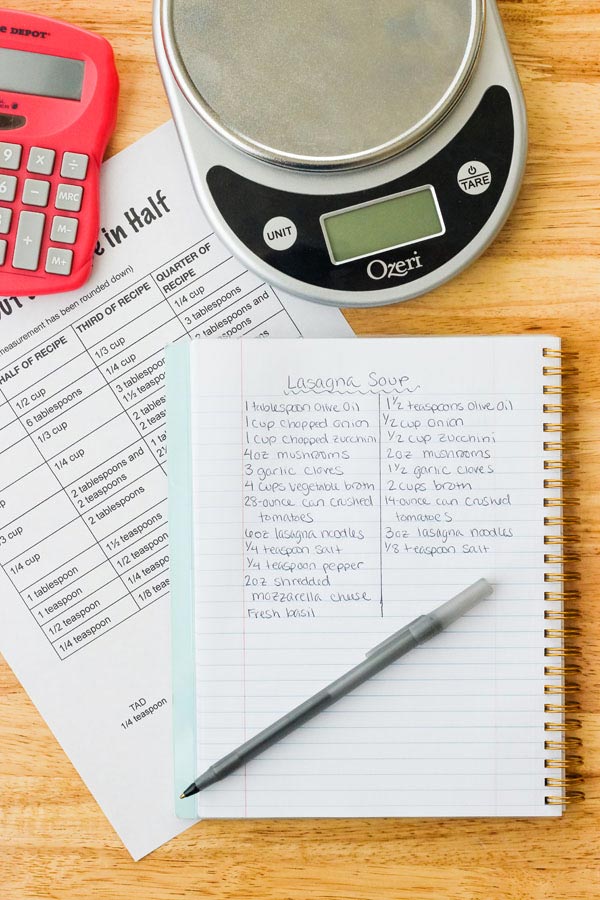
(179,472)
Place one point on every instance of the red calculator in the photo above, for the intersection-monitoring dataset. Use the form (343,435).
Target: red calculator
(58,104)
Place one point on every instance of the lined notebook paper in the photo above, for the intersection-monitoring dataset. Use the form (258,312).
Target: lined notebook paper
(324,493)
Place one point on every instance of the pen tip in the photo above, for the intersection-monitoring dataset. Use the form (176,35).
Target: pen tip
(189,791)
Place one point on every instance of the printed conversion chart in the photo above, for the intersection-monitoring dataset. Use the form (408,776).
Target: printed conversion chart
(82,431)
(84,565)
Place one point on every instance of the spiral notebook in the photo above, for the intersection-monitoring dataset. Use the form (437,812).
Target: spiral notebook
(324,493)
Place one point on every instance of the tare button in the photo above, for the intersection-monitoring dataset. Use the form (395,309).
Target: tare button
(474,177)
(280,233)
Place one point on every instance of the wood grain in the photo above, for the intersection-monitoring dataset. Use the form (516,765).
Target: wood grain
(541,274)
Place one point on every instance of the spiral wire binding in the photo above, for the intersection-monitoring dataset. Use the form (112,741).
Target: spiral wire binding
(562,745)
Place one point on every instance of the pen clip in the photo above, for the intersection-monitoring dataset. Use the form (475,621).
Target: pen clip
(389,641)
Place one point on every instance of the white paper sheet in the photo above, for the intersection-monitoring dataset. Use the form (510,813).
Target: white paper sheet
(84,617)
(341,489)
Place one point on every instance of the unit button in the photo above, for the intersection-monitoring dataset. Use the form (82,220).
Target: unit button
(280,233)
(474,177)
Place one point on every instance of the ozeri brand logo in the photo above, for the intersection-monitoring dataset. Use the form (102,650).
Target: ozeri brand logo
(378,269)
(23,32)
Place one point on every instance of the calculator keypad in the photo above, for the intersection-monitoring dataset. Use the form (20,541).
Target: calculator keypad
(26,228)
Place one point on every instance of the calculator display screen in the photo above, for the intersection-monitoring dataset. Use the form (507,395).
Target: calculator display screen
(37,73)
(383,224)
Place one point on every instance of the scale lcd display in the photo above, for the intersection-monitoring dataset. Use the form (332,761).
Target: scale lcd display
(383,225)
(37,73)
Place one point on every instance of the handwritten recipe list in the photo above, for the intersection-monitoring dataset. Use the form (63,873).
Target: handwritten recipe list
(373,454)
(341,489)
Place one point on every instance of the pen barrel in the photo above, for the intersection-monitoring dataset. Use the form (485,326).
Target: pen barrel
(388,652)
(403,641)
(385,653)
(273,733)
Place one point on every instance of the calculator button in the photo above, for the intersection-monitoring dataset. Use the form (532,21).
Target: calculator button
(10,156)
(28,242)
(59,261)
(35,192)
(5,218)
(74,165)
(8,187)
(41,161)
(2,252)
(69,196)
(64,229)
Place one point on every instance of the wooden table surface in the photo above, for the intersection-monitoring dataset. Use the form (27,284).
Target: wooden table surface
(541,274)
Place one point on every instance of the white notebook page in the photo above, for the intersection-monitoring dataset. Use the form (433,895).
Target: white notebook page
(341,489)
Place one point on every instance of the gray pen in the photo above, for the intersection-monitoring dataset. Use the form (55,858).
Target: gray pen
(422,629)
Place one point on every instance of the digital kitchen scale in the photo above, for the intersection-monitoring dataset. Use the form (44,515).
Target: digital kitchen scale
(350,152)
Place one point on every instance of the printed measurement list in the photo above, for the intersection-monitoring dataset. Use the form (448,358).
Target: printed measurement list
(83,443)
(84,561)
